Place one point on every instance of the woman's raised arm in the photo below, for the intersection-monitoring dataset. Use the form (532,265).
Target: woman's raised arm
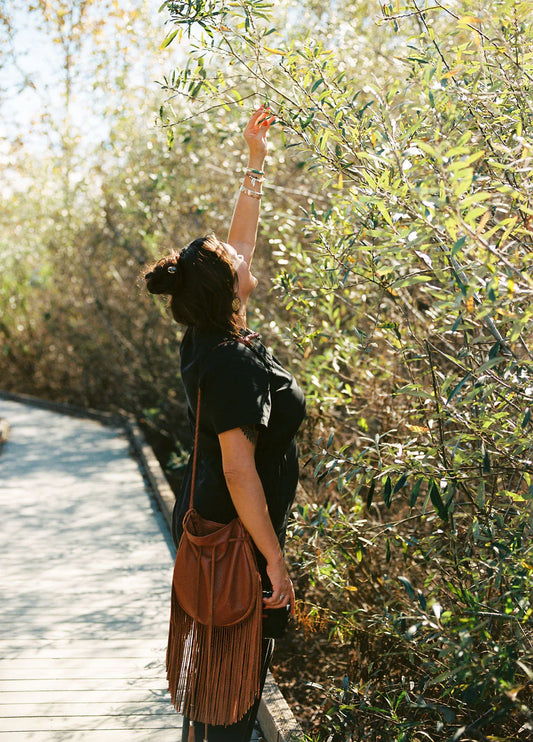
(243,229)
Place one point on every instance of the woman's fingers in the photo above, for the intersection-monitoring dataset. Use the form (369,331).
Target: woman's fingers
(254,119)
(282,587)
(261,118)
(282,595)
(270,120)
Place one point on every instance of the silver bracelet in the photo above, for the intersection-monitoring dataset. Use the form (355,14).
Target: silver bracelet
(249,192)
(256,176)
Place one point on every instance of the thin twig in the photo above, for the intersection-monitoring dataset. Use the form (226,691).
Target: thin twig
(437,406)
(206,110)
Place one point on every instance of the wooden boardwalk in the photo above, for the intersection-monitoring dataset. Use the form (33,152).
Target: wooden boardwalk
(85,565)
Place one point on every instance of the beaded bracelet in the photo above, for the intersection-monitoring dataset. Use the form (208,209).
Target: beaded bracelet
(256,176)
(254,179)
(249,192)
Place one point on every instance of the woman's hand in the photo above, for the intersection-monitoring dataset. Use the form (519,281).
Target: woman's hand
(256,132)
(282,588)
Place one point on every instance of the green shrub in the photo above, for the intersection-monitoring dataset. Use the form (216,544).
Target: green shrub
(411,297)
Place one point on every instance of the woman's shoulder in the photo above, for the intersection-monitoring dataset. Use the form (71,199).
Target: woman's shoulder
(233,361)
(234,351)
(211,351)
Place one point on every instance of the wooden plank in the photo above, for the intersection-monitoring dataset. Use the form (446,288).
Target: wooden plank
(275,716)
(86,723)
(99,610)
(77,708)
(61,631)
(65,667)
(110,685)
(84,648)
(70,695)
(94,735)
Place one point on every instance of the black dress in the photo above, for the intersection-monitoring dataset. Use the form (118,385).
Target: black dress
(242,385)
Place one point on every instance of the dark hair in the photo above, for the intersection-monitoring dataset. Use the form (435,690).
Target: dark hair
(200,281)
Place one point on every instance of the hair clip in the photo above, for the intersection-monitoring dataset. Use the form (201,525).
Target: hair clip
(171,269)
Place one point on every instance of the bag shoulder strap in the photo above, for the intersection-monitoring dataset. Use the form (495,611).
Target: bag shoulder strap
(195,451)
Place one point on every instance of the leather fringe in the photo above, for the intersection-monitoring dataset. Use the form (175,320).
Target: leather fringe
(213,672)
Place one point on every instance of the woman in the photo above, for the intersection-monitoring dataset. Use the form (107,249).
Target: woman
(251,407)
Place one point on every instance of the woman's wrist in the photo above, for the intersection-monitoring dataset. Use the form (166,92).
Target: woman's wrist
(254,177)
(276,560)
(256,162)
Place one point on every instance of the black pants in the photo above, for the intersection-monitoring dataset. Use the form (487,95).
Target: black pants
(242,730)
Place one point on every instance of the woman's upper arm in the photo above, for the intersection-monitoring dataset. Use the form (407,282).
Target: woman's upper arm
(238,449)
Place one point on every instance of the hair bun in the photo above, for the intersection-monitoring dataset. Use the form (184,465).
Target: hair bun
(164,277)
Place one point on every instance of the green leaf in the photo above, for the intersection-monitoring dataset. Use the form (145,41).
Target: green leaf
(434,495)
(169,39)
(486,462)
(170,138)
(473,157)
(457,388)
(370,495)
(384,212)
(513,495)
(457,322)
(415,492)
(474,199)
(410,280)
(425,147)
(399,484)
(407,585)
(387,492)
(319,467)
(421,599)
(413,390)
(526,418)
(495,349)
(458,245)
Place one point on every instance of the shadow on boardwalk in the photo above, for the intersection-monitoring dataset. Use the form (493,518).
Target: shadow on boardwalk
(86,567)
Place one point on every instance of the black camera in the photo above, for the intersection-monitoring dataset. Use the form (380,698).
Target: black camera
(275,620)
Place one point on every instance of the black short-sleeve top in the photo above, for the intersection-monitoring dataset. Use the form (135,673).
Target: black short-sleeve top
(242,385)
